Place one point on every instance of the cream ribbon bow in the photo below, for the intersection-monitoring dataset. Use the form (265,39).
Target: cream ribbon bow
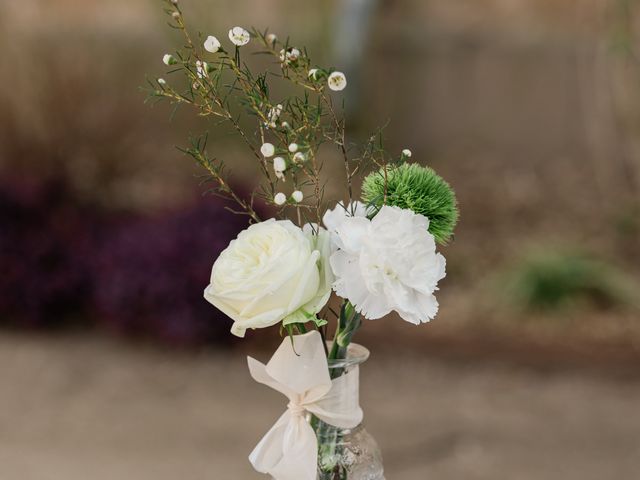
(299,370)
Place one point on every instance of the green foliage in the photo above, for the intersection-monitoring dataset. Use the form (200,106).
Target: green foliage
(419,189)
(556,280)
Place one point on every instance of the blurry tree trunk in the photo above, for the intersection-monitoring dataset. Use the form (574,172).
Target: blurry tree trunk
(352,28)
(610,91)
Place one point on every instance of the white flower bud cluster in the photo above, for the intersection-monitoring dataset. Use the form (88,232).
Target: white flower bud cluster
(202,69)
(274,115)
(290,55)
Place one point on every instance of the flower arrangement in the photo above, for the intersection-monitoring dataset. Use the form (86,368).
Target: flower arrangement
(377,253)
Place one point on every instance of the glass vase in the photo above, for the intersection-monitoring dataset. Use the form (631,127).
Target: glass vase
(347,454)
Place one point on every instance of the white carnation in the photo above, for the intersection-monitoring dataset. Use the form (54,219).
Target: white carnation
(385,264)
(273,271)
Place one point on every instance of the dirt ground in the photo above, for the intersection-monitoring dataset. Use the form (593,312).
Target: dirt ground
(81,407)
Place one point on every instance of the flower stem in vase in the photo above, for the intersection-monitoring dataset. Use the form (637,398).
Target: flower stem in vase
(329,437)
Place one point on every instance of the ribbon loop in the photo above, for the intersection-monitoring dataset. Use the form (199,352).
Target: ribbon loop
(299,370)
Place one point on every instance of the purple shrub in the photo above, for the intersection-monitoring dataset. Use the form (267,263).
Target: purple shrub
(46,240)
(150,274)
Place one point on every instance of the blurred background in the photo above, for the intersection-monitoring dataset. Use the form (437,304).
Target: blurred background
(113,365)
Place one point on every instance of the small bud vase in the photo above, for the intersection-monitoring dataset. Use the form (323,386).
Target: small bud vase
(347,454)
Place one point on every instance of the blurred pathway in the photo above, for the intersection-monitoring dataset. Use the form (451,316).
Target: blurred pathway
(83,408)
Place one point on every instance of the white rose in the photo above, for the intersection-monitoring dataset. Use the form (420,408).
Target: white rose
(385,264)
(273,271)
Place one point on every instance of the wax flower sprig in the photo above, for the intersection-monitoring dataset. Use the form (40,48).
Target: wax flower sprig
(284,136)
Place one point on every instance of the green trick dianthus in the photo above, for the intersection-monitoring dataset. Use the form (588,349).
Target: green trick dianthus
(416,188)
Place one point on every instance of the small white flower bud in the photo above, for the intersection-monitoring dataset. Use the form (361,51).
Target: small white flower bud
(175,2)
(162,82)
(285,125)
(293,147)
(337,81)
(280,198)
(239,36)
(169,59)
(297,196)
(267,150)
(279,164)
(175,15)
(312,73)
(211,44)
(406,153)
(271,39)
(299,157)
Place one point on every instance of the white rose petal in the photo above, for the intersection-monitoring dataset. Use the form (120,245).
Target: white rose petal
(297,196)
(239,36)
(385,264)
(280,198)
(337,81)
(267,150)
(273,114)
(273,271)
(212,44)
(293,147)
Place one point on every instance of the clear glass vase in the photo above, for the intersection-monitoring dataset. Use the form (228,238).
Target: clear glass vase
(347,454)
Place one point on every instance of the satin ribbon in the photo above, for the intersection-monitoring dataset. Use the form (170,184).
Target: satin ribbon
(299,370)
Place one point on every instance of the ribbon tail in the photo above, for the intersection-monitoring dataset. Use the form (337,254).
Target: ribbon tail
(268,453)
(289,451)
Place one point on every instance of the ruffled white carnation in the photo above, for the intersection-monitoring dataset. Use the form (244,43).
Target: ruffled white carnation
(385,264)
